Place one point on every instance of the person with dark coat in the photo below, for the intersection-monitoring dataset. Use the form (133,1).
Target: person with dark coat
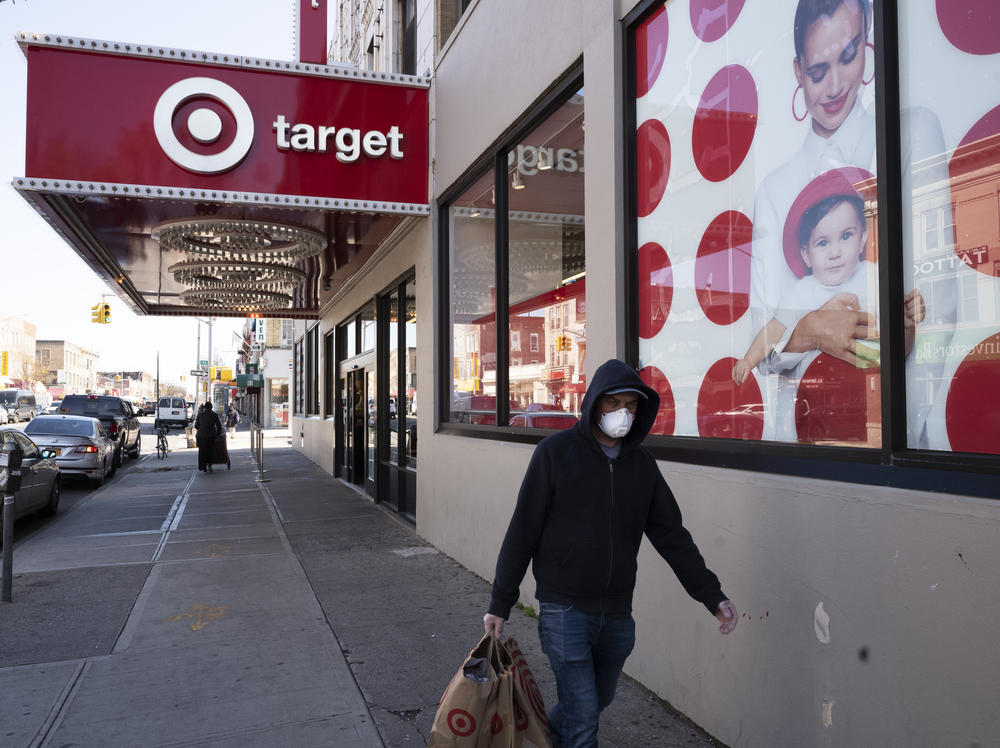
(589,495)
(207,429)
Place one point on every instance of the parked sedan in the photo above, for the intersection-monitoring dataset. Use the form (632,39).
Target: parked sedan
(40,479)
(81,445)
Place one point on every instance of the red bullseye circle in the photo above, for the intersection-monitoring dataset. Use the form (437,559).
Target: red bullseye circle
(656,289)
(975,241)
(461,723)
(653,163)
(722,268)
(973,26)
(650,50)
(496,725)
(972,411)
(724,123)
(727,410)
(666,415)
(711,19)
(520,717)
(836,401)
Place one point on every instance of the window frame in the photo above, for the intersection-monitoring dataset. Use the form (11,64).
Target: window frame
(894,463)
(493,159)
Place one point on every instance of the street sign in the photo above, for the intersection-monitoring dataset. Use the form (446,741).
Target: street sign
(204,362)
(199,373)
(255,347)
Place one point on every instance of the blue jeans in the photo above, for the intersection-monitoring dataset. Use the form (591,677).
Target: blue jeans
(586,652)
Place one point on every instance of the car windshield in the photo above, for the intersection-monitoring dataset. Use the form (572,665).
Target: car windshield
(8,396)
(59,426)
(95,407)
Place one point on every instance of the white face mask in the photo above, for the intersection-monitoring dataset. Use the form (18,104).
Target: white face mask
(616,423)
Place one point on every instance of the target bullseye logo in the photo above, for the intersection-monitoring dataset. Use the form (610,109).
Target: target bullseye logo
(204,125)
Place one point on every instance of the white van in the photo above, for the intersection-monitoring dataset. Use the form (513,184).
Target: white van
(171,411)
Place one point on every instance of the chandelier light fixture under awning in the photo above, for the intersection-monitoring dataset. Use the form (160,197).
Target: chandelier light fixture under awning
(237,263)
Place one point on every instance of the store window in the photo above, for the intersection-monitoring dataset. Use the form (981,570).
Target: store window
(756,222)
(312,371)
(449,13)
(299,379)
(538,233)
(329,375)
(952,141)
(472,229)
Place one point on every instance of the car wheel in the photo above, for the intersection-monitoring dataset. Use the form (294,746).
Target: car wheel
(52,507)
(134,453)
(119,456)
(99,481)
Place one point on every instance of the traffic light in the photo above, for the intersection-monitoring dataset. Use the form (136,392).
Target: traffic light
(106,313)
(95,314)
(562,342)
(4,364)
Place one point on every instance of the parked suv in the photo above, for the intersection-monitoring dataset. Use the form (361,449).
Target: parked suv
(117,415)
(19,404)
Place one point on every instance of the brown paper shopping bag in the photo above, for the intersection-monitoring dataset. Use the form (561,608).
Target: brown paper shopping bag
(529,708)
(472,705)
(491,702)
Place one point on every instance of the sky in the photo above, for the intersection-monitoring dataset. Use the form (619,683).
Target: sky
(44,281)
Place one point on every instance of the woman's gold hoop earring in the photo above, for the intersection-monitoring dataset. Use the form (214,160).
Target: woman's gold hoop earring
(869,45)
(794,94)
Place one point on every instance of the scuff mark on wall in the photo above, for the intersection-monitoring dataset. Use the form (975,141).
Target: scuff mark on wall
(821,623)
(827,713)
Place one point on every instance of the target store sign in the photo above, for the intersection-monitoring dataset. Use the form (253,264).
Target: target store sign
(114,118)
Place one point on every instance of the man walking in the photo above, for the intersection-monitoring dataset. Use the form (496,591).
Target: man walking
(588,496)
(206,428)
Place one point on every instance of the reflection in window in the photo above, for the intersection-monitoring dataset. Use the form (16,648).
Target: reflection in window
(471,230)
(393,334)
(408,406)
(547,268)
(952,143)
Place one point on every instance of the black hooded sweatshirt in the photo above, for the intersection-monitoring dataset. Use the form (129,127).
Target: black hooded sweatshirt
(580,516)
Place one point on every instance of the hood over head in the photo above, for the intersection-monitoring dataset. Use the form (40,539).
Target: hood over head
(615,375)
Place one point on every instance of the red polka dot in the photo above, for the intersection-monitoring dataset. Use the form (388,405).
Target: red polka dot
(727,410)
(666,415)
(972,411)
(722,268)
(724,123)
(975,238)
(971,25)
(653,156)
(837,402)
(656,289)
(650,50)
(846,180)
(711,19)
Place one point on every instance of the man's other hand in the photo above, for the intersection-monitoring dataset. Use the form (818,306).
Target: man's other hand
(727,616)
(494,624)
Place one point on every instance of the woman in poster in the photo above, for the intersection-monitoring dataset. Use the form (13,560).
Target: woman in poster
(831,47)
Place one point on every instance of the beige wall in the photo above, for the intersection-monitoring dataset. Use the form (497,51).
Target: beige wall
(906,576)
(908,579)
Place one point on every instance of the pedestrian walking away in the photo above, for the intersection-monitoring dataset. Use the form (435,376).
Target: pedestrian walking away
(589,494)
(207,429)
(232,419)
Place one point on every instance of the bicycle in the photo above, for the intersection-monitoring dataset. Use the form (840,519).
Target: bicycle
(161,443)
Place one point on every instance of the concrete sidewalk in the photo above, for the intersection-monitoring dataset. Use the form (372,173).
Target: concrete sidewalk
(178,608)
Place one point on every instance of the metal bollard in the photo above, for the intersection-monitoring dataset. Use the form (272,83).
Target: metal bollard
(8,547)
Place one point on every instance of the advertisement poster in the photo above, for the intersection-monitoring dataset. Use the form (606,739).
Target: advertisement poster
(757,222)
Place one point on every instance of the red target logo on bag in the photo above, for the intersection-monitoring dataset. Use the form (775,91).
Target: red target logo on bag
(461,723)
(496,725)
(520,718)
